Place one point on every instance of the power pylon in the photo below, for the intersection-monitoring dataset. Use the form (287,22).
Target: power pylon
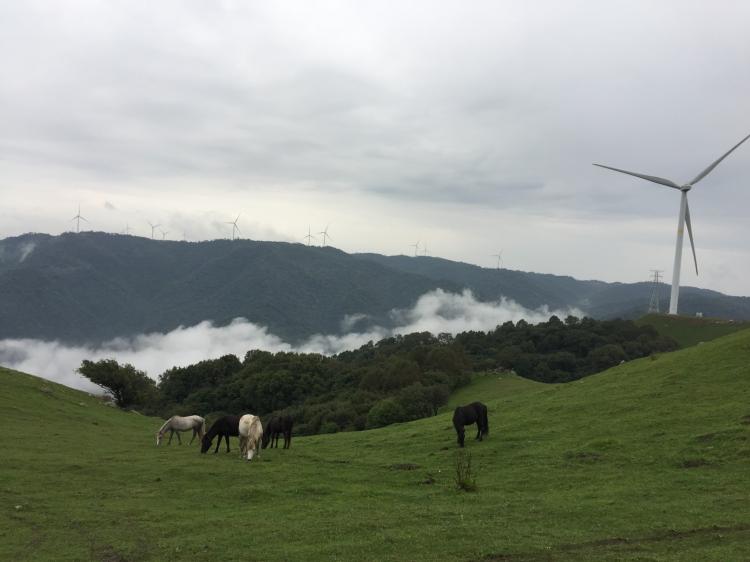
(653,304)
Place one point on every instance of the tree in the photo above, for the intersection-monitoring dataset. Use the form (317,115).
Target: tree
(125,383)
(385,412)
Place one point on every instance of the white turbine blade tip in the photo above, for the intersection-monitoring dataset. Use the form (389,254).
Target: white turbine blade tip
(708,170)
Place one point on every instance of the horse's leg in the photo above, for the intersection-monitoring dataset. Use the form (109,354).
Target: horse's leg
(479,429)
(171,433)
(460,436)
(195,432)
(227,438)
(179,440)
(218,442)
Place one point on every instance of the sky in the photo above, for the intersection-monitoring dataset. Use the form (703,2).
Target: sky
(470,127)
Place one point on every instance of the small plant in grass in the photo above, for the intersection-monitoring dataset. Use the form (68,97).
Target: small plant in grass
(465,479)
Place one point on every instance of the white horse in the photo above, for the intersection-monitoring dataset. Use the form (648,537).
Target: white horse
(251,433)
(178,424)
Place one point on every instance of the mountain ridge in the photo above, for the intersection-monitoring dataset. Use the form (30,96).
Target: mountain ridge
(90,287)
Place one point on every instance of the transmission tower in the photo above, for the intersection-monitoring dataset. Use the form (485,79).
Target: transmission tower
(653,305)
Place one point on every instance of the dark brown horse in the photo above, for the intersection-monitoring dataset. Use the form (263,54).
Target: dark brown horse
(476,412)
(224,428)
(278,425)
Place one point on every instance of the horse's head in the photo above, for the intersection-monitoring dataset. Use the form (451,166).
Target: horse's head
(265,439)
(206,443)
(159,436)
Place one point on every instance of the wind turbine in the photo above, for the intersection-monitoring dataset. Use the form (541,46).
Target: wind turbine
(325,234)
(416,247)
(127,229)
(78,218)
(682,219)
(309,236)
(234,226)
(499,257)
(153,226)
(163,234)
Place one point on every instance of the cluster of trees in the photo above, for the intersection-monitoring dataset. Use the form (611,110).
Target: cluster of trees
(397,379)
(557,351)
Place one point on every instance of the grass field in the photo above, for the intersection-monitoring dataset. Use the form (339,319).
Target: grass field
(647,461)
(689,330)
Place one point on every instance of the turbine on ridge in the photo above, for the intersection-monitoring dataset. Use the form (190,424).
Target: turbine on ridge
(78,218)
(682,219)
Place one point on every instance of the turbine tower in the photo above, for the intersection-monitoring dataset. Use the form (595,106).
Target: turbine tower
(153,227)
(325,234)
(682,219)
(309,236)
(499,257)
(234,226)
(78,218)
(163,234)
(416,248)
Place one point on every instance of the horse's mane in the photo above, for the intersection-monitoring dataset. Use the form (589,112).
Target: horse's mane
(166,423)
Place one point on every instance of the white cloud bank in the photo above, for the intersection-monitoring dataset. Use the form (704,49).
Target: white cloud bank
(435,312)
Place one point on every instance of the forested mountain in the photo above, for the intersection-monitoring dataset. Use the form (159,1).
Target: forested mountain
(93,286)
(96,286)
(595,298)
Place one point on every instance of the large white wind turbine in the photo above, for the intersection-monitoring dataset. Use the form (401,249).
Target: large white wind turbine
(682,220)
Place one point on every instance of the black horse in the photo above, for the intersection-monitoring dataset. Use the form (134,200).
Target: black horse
(476,412)
(224,428)
(278,425)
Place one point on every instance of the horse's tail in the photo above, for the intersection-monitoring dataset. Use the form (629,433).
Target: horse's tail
(203,427)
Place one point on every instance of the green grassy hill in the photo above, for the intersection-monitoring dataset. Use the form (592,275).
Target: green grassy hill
(690,330)
(647,461)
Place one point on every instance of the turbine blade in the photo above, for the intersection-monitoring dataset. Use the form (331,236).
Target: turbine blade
(690,234)
(655,179)
(83,219)
(708,170)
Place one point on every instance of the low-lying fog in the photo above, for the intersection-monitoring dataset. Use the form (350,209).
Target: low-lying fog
(435,312)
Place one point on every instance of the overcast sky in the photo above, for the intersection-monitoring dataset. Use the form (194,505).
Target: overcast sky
(468,126)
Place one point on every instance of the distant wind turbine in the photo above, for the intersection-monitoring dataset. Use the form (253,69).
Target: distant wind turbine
(416,247)
(309,236)
(499,257)
(682,219)
(164,234)
(234,226)
(153,227)
(325,234)
(127,229)
(78,218)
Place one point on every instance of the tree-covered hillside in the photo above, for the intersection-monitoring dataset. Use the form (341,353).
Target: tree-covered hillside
(596,299)
(93,286)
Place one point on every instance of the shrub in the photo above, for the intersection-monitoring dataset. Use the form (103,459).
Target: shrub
(384,413)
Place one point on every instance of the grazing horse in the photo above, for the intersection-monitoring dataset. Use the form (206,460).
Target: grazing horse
(476,412)
(251,433)
(178,424)
(278,425)
(224,428)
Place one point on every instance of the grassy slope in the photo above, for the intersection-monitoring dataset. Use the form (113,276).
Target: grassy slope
(649,460)
(688,330)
